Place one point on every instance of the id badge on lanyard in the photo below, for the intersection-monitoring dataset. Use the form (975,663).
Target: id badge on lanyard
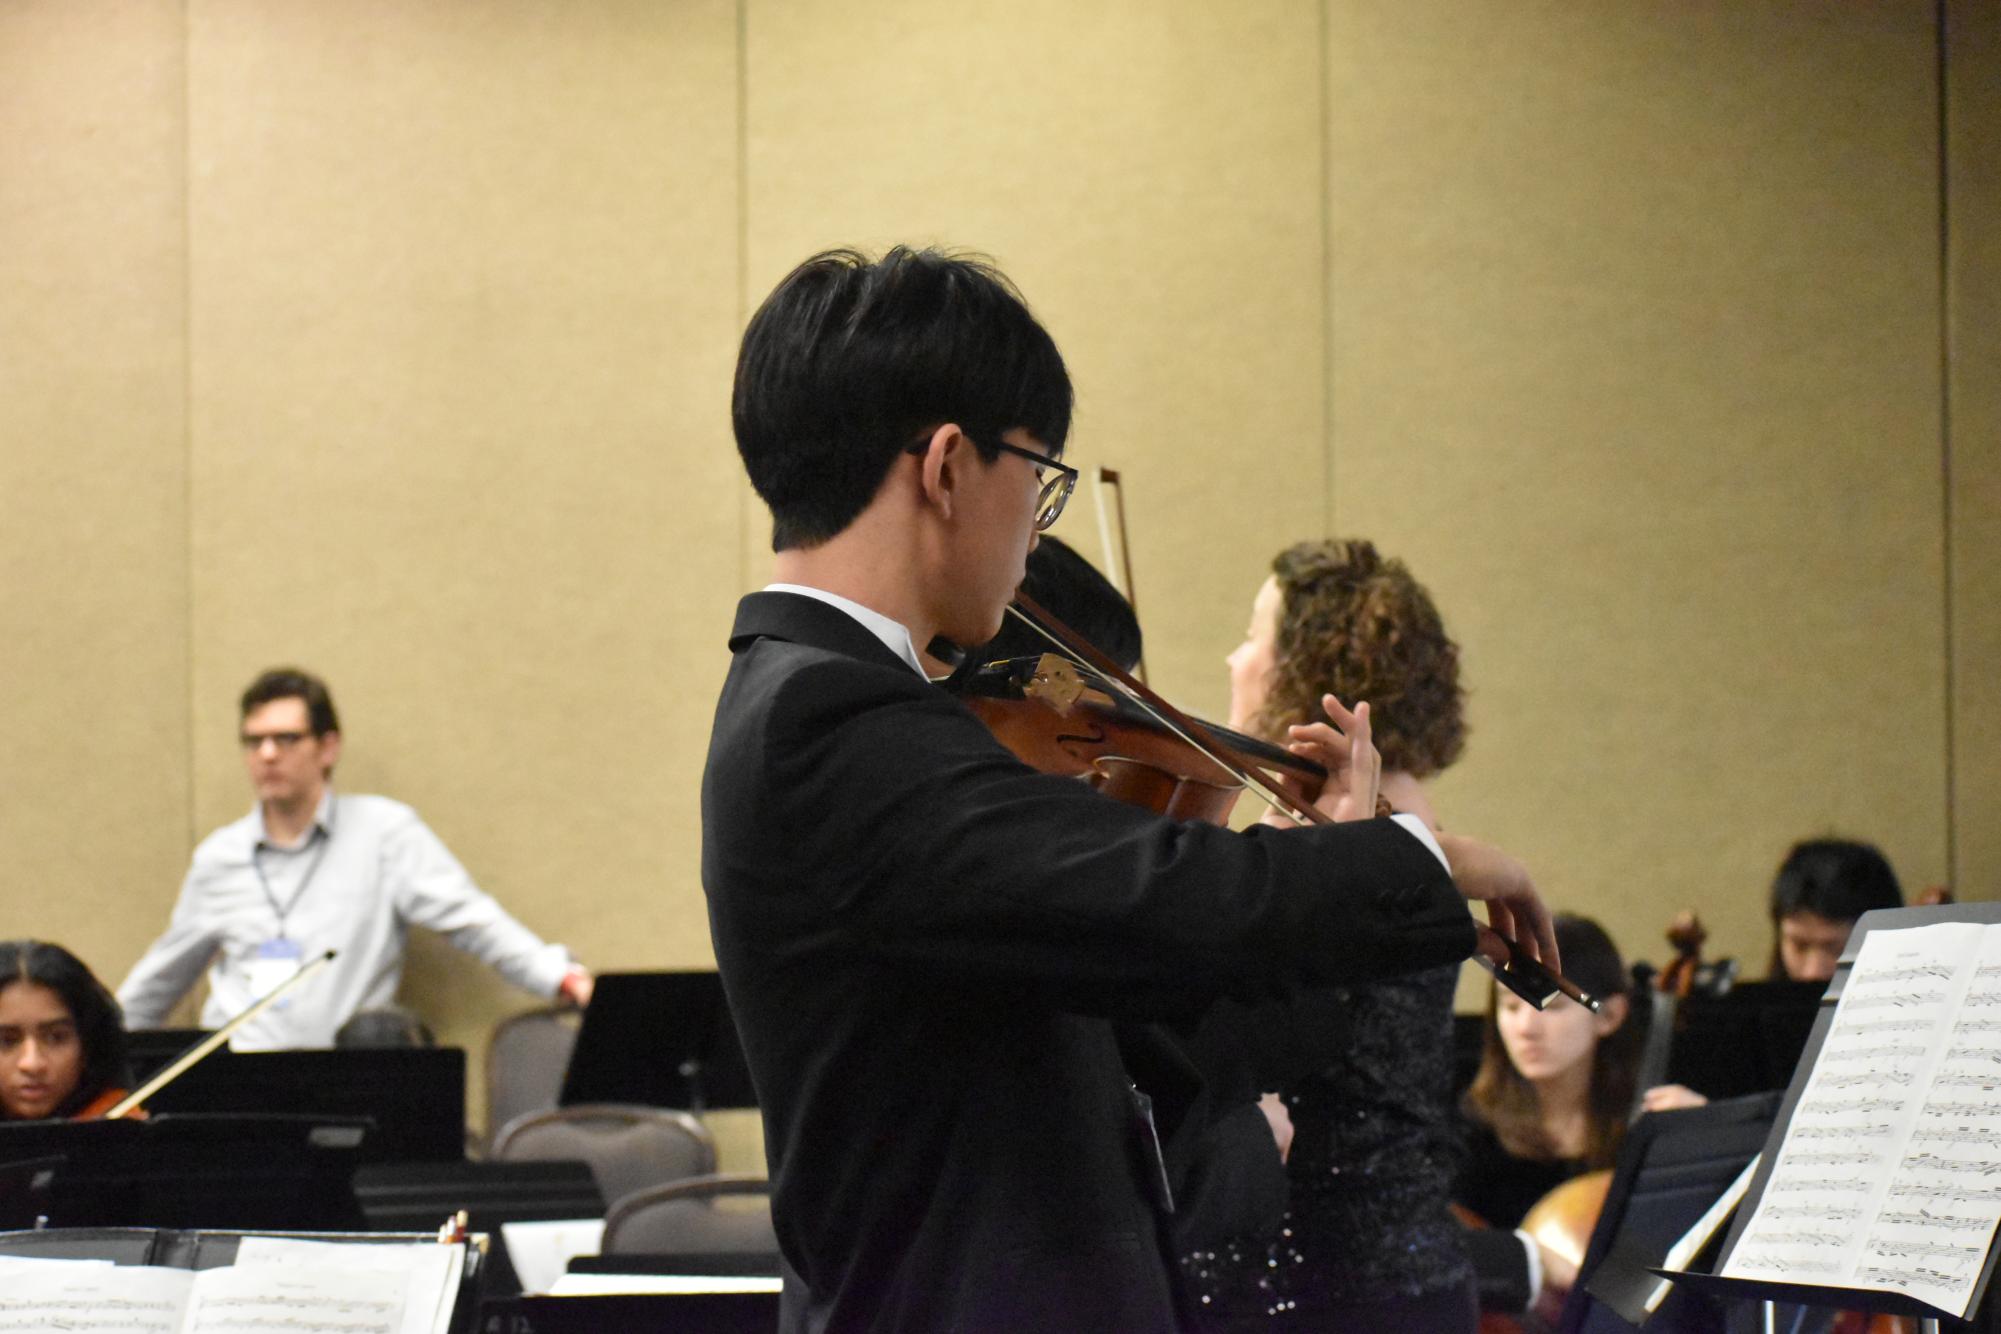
(271,967)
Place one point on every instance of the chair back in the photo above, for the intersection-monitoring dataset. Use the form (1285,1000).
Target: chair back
(709,1215)
(525,1061)
(628,1147)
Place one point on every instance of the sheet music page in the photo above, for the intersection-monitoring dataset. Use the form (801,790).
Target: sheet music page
(1890,1178)
(430,1271)
(541,1251)
(295,1300)
(42,1295)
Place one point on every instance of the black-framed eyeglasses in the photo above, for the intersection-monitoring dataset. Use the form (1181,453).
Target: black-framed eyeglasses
(282,740)
(1055,490)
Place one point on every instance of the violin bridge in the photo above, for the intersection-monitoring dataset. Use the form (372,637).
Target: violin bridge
(1056,683)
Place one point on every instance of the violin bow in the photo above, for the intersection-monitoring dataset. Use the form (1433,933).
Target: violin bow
(179,1064)
(1121,567)
(1516,970)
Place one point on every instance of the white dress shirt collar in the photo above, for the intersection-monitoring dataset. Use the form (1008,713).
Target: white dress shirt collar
(322,820)
(894,634)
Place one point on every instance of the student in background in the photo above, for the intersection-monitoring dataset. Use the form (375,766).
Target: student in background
(1823,885)
(1554,1094)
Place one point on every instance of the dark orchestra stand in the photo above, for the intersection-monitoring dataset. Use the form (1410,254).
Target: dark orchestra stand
(413,1097)
(1672,1166)
(661,1039)
(1748,1040)
(246,1171)
(633,1313)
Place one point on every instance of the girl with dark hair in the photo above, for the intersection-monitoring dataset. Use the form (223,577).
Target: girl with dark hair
(62,1037)
(1551,1100)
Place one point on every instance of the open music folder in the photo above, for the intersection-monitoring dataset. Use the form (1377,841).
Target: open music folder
(1880,1186)
(146,1282)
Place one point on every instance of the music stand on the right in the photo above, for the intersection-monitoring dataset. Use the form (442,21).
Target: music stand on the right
(661,1039)
(1745,1292)
(1672,1166)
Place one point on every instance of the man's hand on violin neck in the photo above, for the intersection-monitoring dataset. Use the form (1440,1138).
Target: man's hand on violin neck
(1484,872)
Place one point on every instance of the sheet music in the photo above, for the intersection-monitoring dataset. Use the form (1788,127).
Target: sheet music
(44,1295)
(319,1300)
(1890,1178)
(429,1271)
(541,1251)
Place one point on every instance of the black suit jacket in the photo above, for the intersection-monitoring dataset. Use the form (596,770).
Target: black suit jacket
(920,938)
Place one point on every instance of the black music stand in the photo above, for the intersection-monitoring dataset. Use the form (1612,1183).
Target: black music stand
(414,1097)
(661,1039)
(1748,1040)
(1748,1291)
(25,1188)
(1672,1167)
(287,1173)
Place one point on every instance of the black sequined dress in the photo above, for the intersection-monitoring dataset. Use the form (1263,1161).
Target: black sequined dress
(1374,1149)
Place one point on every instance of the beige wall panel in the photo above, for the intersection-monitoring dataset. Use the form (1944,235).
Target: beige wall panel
(1973,318)
(1149,175)
(93,472)
(1635,359)
(465,286)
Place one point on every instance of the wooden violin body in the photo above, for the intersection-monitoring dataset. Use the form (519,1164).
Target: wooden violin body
(1054,719)
(101,1107)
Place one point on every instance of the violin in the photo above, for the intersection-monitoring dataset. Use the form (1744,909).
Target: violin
(117,1104)
(1054,719)
(1133,744)
(96,1108)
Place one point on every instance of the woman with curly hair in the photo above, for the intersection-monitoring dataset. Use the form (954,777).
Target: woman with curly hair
(62,1037)
(1367,1243)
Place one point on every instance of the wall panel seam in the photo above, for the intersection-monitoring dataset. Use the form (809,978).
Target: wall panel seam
(1942,30)
(1327,342)
(187,410)
(743,490)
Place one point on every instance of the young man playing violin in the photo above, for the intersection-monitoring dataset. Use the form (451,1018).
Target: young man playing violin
(922,938)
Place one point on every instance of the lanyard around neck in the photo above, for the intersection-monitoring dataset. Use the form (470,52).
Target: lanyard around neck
(321,835)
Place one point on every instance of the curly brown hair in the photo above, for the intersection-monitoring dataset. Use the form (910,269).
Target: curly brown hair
(1356,625)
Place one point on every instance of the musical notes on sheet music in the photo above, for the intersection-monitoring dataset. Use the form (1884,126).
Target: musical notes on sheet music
(1925,1218)
(1835,1214)
(1844,1106)
(1890,1175)
(1868,1079)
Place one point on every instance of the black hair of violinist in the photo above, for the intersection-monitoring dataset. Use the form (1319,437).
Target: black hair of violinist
(851,359)
(1076,594)
(100,1024)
